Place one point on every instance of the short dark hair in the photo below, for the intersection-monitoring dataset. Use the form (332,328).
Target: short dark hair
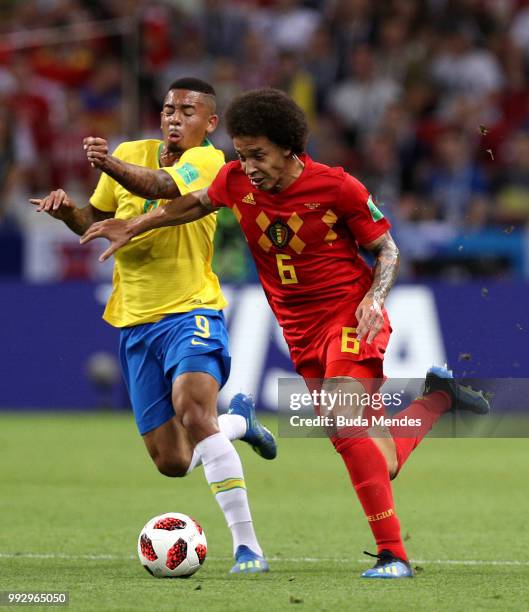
(192,84)
(271,113)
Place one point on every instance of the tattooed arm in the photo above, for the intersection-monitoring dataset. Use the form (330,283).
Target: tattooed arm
(186,209)
(147,183)
(369,313)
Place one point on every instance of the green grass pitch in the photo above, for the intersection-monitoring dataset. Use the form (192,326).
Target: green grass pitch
(76,490)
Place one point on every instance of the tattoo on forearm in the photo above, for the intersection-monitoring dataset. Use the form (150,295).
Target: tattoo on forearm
(386,269)
(144,182)
(82,218)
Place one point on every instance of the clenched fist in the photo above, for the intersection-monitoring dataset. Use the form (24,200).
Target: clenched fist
(96,151)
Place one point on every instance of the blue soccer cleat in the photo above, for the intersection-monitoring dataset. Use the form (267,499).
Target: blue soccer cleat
(248,562)
(258,437)
(388,566)
(463,398)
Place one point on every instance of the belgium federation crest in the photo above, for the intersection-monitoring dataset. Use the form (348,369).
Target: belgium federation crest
(278,233)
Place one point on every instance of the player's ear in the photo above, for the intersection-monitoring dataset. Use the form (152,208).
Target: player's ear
(287,153)
(213,121)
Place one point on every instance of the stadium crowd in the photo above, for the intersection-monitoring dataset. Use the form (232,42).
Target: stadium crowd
(426,101)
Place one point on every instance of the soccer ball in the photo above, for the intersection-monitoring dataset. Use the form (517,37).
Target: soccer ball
(172,545)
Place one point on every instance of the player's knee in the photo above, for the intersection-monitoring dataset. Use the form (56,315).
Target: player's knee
(198,421)
(393,467)
(173,466)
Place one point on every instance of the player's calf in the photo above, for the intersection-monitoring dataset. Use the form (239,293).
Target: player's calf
(174,467)
(169,448)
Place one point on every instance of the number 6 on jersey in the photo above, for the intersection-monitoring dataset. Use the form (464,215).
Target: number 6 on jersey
(287,272)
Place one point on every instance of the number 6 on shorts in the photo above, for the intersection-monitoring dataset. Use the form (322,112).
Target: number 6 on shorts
(350,344)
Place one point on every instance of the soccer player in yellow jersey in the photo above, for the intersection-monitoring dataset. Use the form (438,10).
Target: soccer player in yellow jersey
(168,304)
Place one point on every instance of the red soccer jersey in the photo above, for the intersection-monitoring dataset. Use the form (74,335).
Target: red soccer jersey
(304,241)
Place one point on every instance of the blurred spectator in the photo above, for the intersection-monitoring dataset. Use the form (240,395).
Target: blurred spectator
(321,60)
(455,184)
(102,92)
(68,64)
(512,189)
(10,235)
(288,25)
(328,143)
(352,23)
(189,59)
(224,74)
(460,66)
(395,54)
(68,160)
(33,112)
(256,62)
(290,76)
(223,26)
(156,38)
(381,169)
(359,101)
(8,164)
(520,30)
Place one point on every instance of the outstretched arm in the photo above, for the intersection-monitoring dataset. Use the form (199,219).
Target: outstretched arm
(369,312)
(59,206)
(190,207)
(147,183)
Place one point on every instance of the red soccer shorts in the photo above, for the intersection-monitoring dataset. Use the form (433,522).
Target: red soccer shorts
(336,351)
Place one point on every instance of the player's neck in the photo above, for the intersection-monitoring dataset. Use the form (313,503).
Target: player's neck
(293,169)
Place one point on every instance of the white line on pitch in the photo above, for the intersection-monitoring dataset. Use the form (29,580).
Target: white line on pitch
(273,559)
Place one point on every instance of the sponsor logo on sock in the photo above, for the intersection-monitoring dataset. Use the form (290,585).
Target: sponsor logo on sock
(381,515)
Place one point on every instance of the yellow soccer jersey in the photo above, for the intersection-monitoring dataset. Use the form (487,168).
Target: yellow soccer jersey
(166,270)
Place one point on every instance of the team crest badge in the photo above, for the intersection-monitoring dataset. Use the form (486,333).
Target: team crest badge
(278,233)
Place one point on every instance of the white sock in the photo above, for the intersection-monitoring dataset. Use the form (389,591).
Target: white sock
(233,425)
(223,471)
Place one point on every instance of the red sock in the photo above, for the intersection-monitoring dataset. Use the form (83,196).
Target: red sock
(368,471)
(428,409)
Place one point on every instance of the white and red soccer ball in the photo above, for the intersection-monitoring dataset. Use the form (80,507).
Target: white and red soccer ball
(172,545)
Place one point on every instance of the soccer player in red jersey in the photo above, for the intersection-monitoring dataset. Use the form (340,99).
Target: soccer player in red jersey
(304,223)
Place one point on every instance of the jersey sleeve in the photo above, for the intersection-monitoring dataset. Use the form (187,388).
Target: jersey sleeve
(359,211)
(218,190)
(196,169)
(104,196)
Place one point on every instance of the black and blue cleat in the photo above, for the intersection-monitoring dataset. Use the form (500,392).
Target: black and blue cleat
(463,398)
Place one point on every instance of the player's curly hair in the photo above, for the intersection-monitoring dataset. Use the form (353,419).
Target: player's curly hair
(271,113)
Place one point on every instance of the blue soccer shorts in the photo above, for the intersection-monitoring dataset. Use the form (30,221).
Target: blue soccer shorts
(152,355)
